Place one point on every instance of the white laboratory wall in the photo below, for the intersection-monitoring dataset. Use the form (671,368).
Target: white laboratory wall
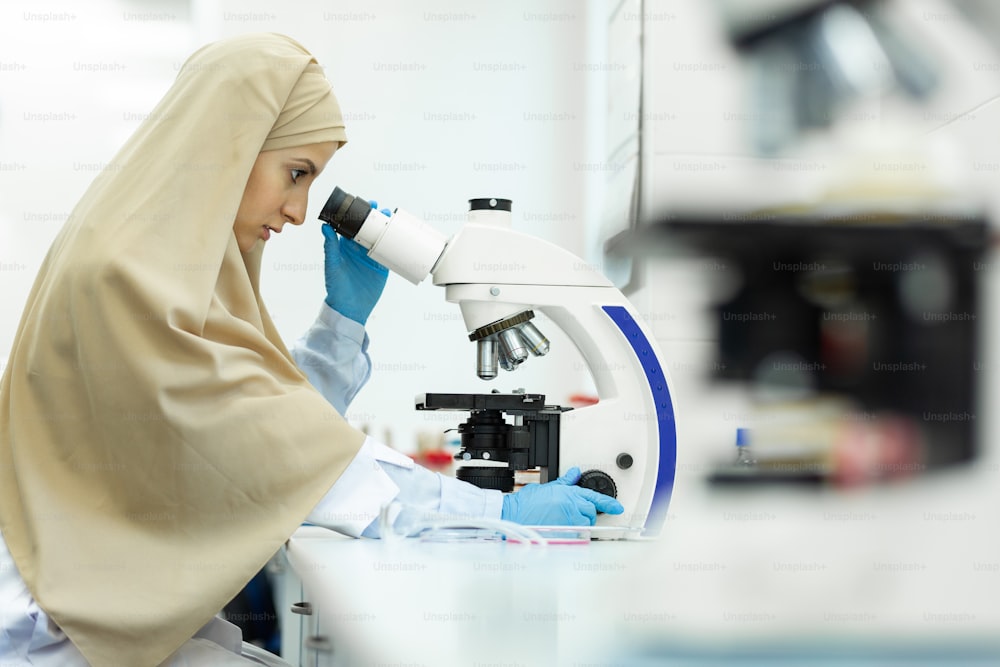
(444,101)
(75,81)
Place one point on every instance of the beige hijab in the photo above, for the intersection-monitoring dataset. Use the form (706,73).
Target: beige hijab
(157,442)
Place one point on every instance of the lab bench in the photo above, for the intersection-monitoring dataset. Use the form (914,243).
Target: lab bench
(448,603)
(893,575)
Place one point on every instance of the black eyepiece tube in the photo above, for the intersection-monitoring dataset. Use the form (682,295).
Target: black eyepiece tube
(345,212)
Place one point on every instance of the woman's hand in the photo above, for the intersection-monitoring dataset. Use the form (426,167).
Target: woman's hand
(354,281)
(558,503)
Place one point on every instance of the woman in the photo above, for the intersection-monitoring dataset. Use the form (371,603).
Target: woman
(158,442)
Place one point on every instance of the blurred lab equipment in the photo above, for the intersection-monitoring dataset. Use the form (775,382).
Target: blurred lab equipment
(854,315)
(809,59)
(499,278)
(857,337)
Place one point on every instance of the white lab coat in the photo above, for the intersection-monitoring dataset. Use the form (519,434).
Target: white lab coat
(334,355)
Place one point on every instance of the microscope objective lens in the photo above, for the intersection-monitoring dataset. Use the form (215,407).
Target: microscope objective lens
(512,346)
(537,343)
(487,358)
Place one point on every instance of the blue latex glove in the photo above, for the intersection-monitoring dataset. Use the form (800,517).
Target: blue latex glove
(354,281)
(558,503)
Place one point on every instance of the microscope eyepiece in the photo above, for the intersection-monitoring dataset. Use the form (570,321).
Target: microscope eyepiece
(345,212)
(399,241)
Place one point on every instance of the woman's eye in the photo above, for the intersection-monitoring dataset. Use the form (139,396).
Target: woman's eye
(296,173)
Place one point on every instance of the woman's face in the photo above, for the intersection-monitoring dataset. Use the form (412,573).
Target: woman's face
(277,191)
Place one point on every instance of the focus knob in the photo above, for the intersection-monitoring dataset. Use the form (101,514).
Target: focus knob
(598,481)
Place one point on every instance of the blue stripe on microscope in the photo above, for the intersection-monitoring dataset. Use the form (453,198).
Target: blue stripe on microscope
(666,426)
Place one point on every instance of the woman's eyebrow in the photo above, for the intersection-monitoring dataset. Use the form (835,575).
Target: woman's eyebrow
(312,165)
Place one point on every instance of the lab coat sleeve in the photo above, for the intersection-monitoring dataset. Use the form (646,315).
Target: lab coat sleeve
(378,475)
(333,354)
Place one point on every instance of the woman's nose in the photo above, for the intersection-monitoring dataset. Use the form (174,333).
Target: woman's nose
(295,210)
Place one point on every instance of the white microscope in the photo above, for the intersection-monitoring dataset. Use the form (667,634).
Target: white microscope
(626,443)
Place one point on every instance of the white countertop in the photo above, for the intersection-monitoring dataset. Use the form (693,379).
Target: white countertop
(911,565)
(426,603)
